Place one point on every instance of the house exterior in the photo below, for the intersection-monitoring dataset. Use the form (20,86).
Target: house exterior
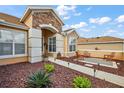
(37,33)
(100,46)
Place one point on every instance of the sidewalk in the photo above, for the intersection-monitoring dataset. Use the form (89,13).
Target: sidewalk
(119,80)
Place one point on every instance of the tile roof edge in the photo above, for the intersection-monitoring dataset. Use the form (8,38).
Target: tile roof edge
(13,25)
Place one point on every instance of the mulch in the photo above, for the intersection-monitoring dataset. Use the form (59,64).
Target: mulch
(118,71)
(15,76)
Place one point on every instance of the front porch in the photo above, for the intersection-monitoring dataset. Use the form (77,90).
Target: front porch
(48,45)
(44,42)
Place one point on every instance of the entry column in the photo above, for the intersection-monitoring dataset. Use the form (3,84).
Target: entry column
(35,45)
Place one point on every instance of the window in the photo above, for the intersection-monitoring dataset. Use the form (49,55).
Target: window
(72,44)
(0,35)
(52,44)
(6,43)
(19,43)
(12,43)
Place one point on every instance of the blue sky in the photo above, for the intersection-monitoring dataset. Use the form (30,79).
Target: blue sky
(89,21)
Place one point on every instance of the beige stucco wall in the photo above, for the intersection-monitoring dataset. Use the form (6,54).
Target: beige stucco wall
(13,60)
(65,45)
(107,46)
(59,45)
(28,21)
(103,49)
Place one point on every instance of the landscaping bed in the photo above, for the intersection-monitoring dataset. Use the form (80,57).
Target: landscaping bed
(117,71)
(16,76)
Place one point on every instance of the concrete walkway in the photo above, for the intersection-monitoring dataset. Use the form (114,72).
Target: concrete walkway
(112,78)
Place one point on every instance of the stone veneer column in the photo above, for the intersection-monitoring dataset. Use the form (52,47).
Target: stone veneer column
(35,45)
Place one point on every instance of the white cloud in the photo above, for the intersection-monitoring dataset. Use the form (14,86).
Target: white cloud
(66,17)
(77,14)
(86,30)
(93,20)
(93,26)
(104,20)
(120,25)
(66,11)
(121,34)
(109,32)
(120,19)
(63,10)
(81,24)
(100,21)
(89,8)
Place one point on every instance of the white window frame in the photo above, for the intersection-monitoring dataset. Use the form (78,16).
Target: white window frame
(70,38)
(13,53)
(48,44)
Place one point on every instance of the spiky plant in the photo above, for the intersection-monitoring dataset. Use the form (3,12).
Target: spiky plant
(40,79)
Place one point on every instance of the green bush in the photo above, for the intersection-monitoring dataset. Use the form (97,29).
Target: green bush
(49,68)
(81,82)
(39,79)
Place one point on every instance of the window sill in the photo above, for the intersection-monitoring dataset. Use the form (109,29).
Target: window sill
(12,56)
(52,52)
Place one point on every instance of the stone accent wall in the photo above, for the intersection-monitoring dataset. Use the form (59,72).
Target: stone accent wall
(40,18)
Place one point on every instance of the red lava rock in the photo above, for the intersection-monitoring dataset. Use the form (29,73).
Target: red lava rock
(16,76)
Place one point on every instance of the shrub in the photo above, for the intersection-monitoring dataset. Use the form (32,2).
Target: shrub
(49,68)
(39,79)
(81,82)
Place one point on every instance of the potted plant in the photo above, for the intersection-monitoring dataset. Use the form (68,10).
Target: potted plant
(58,55)
(45,57)
(96,48)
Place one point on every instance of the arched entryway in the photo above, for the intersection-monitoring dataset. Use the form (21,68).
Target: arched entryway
(37,47)
(48,32)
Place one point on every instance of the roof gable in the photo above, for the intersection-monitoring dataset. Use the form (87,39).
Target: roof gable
(35,8)
(9,18)
(70,31)
(11,21)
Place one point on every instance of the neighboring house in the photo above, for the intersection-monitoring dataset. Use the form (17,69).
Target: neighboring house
(70,44)
(37,33)
(100,46)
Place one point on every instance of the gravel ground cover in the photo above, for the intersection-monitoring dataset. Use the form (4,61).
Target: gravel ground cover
(15,76)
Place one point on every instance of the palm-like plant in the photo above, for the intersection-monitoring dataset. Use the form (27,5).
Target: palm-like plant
(39,79)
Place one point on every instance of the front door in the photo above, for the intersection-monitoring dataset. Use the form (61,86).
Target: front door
(42,44)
